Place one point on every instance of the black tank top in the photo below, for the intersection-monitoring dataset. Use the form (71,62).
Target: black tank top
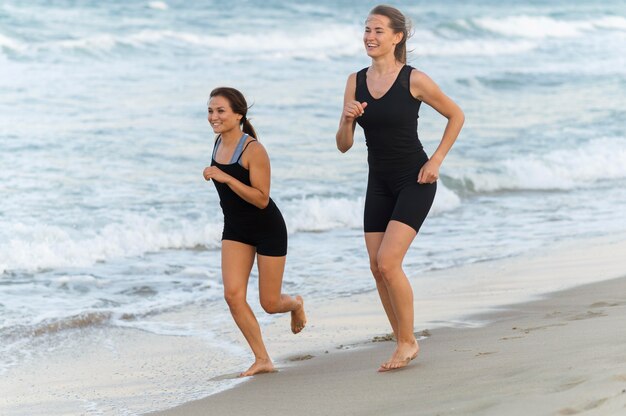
(232,204)
(390,123)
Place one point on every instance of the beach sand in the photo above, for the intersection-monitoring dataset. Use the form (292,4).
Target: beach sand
(537,334)
(563,354)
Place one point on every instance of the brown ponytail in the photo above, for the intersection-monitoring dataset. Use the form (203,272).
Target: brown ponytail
(399,24)
(239,106)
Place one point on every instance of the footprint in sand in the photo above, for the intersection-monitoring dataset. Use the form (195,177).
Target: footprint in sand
(603,305)
(589,406)
(528,330)
(588,315)
(508,338)
(571,384)
(620,377)
(383,338)
(300,357)
(555,314)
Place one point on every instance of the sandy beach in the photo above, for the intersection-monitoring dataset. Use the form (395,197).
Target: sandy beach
(538,334)
(562,354)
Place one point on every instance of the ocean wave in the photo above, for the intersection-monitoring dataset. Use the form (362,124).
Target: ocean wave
(36,247)
(322,214)
(335,41)
(470,47)
(51,326)
(39,246)
(564,169)
(541,27)
(315,44)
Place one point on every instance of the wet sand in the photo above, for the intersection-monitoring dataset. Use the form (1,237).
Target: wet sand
(563,354)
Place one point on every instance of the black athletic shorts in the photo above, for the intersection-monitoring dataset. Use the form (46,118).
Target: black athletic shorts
(266,231)
(396,195)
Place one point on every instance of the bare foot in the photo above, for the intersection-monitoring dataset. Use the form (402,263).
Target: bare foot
(260,366)
(298,317)
(405,352)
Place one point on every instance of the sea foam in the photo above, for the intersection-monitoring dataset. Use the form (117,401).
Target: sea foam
(563,169)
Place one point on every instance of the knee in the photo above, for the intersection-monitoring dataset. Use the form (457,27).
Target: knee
(270,305)
(387,266)
(235,299)
(376,271)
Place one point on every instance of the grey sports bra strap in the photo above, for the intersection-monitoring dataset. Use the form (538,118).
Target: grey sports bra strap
(238,149)
(244,149)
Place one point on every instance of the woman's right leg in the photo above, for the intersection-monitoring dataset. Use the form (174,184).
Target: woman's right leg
(237,261)
(373,242)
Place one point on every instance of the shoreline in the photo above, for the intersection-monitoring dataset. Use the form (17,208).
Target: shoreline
(556,351)
(561,355)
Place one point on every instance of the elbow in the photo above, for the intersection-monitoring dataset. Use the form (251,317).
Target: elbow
(461,117)
(263,203)
(343,148)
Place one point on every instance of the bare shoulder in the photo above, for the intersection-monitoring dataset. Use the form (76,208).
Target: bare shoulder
(351,82)
(419,78)
(255,151)
(421,84)
(350,87)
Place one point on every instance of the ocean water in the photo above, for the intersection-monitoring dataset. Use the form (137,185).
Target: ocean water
(106,221)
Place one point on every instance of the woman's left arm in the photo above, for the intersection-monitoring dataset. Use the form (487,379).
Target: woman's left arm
(423,88)
(257,161)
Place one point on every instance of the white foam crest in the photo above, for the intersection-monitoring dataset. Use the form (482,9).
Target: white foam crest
(311,44)
(87,280)
(322,214)
(158,5)
(471,47)
(611,22)
(316,214)
(564,169)
(12,44)
(102,42)
(33,247)
(445,200)
(540,27)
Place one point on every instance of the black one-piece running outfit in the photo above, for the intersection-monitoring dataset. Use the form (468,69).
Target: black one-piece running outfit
(395,156)
(263,228)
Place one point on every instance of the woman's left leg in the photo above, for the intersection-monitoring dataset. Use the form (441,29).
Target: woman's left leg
(396,241)
(271,270)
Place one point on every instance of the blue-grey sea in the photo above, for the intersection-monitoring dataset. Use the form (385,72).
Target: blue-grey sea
(106,221)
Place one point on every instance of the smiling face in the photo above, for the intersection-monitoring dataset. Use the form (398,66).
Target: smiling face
(222,118)
(379,38)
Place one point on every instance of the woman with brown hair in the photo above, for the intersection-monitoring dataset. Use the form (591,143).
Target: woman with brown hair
(384,99)
(253,224)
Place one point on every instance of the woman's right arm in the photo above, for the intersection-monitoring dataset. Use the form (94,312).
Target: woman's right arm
(351,110)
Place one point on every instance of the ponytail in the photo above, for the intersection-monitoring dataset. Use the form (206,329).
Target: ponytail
(247,127)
